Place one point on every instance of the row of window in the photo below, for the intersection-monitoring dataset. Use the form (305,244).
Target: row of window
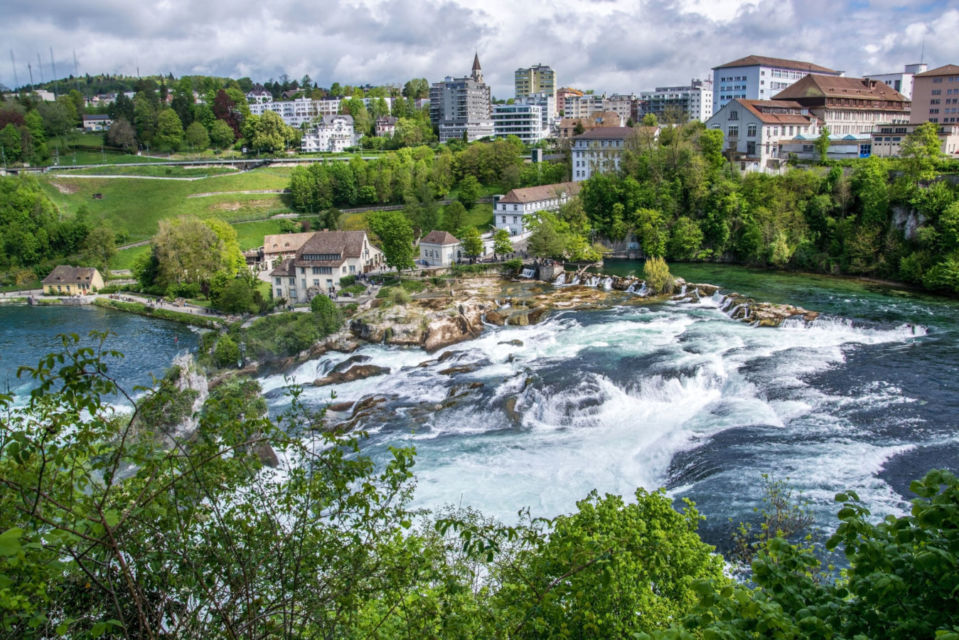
(941,78)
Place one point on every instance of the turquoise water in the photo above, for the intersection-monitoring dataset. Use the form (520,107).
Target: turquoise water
(677,395)
(29,333)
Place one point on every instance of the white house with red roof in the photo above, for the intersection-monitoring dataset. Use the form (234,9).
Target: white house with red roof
(512,211)
(439,249)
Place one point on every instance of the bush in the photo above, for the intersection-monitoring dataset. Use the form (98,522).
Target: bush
(326,314)
(413,286)
(657,276)
(346,281)
(399,296)
(513,266)
(226,353)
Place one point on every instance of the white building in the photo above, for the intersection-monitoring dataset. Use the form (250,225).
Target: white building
(294,113)
(96,123)
(753,129)
(598,150)
(544,100)
(331,133)
(258,95)
(759,78)
(887,139)
(621,105)
(320,263)
(521,120)
(585,105)
(439,249)
(901,82)
(385,126)
(694,101)
(512,211)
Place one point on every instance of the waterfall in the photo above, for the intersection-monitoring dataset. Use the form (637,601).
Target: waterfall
(527,273)
(560,279)
(575,280)
(631,288)
(682,291)
(644,290)
(607,283)
(593,281)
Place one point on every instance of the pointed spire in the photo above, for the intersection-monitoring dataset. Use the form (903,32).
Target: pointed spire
(476,64)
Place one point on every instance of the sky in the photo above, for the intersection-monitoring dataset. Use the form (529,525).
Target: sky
(613,46)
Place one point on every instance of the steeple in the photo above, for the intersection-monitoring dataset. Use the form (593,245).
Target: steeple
(477,70)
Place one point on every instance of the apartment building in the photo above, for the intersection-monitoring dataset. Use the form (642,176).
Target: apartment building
(759,78)
(902,81)
(598,151)
(690,102)
(524,121)
(330,133)
(536,79)
(512,211)
(848,106)
(935,95)
(461,107)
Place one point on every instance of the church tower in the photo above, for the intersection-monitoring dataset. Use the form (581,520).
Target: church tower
(477,70)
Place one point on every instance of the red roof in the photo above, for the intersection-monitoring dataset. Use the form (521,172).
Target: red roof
(775,111)
(816,86)
(605,133)
(540,193)
(797,65)
(945,70)
(439,237)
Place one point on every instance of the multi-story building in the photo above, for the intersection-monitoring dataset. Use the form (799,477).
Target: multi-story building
(753,129)
(848,106)
(461,107)
(321,261)
(935,95)
(536,79)
(691,102)
(544,100)
(97,123)
(621,105)
(278,247)
(598,151)
(258,95)
(294,113)
(569,127)
(759,78)
(66,280)
(585,105)
(887,138)
(512,211)
(331,133)
(524,121)
(563,94)
(902,81)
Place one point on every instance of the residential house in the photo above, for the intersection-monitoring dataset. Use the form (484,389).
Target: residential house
(461,108)
(385,126)
(759,78)
(331,133)
(258,95)
(97,123)
(902,81)
(562,95)
(512,211)
(282,246)
(321,261)
(65,280)
(753,129)
(439,249)
(935,95)
(599,150)
(848,106)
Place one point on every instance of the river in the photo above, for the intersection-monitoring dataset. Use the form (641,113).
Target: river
(29,333)
(676,395)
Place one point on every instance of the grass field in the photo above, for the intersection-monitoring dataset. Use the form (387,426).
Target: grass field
(159,171)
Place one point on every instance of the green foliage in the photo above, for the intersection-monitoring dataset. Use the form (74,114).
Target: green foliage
(657,276)
(685,239)
(502,244)
(822,144)
(921,151)
(326,314)
(471,241)
(468,190)
(396,238)
(226,353)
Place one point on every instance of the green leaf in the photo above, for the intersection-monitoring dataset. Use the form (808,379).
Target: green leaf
(10,542)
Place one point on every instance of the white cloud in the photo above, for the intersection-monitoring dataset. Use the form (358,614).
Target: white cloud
(607,45)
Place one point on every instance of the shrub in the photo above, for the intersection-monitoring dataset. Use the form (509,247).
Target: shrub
(226,353)
(657,276)
(513,266)
(326,313)
(413,286)
(346,281)
(399,296)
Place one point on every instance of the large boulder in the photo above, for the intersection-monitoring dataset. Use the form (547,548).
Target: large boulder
(357,372)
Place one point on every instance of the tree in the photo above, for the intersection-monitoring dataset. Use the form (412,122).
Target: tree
(685,239)
(197,137)
(454,216)
(545,241)
(268,133)
(99,247)
(822,144)
(169,131)
(144,118)
(469,189)
(501,242)
(10,140)
(122,135)
(221,135)
(472,242)
(191,251)
(396,238)
(921,151)
(326,313)
(657,276)
(649,120)
(416,88)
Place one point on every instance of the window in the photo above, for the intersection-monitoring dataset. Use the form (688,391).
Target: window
(279,281)
(734,115)
(733,131)
(751,131)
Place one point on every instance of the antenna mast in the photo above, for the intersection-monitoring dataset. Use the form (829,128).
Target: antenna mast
(53,66)
(40,67)
(13,65)
(30,69)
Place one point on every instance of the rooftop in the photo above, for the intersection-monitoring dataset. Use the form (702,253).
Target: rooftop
(605,133)
(816,86)
(66,274)
(540,193)
(797,65)
(285,242)
(439,237)
(945,70)
(776,111)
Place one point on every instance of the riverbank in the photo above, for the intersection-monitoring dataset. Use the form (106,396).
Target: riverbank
(142,309)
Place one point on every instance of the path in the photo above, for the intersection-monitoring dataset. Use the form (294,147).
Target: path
(208,194)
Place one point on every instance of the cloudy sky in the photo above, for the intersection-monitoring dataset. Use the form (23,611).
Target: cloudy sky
(606,45)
